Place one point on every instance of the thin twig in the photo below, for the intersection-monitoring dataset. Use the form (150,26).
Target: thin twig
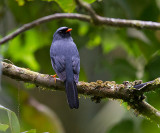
(147,110)
(88,8)
(97,89)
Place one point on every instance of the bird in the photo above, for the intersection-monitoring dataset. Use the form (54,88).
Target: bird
(65,61)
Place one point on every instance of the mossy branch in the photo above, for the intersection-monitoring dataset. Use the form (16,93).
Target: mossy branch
(130,92)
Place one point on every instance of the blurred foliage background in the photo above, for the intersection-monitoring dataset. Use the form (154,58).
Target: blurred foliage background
(107,53)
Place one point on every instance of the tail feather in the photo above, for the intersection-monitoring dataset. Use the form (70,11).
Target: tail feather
(72,94)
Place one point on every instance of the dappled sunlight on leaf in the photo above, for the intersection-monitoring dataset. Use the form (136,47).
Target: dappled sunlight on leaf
(3,127)
(89,1)
(21,2)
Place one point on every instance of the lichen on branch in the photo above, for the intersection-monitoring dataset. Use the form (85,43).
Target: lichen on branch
(128,91)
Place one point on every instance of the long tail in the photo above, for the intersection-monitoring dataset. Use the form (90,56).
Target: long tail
(72,94)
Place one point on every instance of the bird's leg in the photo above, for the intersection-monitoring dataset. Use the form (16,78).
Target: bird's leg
(54,76)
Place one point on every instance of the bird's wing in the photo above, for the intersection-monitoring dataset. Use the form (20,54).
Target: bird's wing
(58,63)
(76,68)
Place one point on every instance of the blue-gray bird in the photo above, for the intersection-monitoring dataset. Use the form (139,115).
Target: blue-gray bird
(66,63)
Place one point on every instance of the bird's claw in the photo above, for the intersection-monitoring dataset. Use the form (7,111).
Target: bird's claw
(54,76)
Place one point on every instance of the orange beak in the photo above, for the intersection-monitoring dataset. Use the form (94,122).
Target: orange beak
(69,30)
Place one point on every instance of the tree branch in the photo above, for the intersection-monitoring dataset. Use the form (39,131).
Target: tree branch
(88,8)
(117,22)
(45,19)
(148,86)
(98,89)
(96,19)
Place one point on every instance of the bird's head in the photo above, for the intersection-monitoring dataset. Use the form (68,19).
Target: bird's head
(62,32)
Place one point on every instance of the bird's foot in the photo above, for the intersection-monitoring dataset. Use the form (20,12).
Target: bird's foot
(54,76)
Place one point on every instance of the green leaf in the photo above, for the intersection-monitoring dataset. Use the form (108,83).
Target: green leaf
(22,48)
(20,2)
(89,1)
(3,127)
(125,126)
(66,5)
(48,0)
(0,71)
(95,41)
(69,5)
(30,131)
(13,120)
(83,29)
(110,43)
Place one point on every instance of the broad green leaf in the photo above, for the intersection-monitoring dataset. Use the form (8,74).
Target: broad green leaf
(3,127)
(69,5)
(13,120)
(30,131)
(66,5)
